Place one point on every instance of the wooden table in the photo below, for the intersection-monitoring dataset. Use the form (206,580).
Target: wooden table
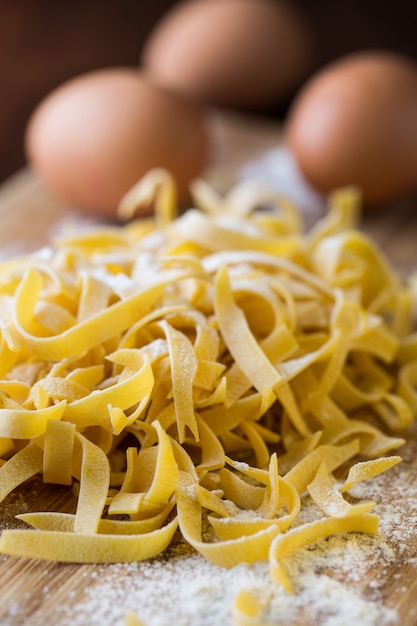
(35,592)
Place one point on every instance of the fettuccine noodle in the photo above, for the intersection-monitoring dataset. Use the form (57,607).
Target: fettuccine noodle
(207,372)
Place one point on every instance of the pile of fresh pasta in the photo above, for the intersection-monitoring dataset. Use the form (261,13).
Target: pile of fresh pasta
(204,374)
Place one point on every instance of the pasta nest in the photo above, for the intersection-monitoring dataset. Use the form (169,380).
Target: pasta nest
(208,371)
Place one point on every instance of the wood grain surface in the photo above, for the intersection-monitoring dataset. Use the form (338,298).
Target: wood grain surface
(34,592)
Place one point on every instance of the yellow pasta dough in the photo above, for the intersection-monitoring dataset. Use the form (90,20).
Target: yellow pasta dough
(208,372)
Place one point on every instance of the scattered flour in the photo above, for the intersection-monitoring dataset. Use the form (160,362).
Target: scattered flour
(186,590)
(183,591)
(338,581)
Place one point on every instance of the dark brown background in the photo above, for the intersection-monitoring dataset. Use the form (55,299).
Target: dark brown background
(44,42)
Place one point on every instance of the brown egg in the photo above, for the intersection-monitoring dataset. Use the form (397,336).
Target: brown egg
(356,123)
(236,53)
(98,134)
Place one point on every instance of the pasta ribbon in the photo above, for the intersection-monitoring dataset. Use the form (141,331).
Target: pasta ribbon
(131,619)
(285,544)
(75,547)
(323,490)
(23,465)
(58,450)
(248,606)
(18,423)
(241,343)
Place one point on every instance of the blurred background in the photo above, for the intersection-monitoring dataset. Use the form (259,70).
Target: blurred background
(45,42)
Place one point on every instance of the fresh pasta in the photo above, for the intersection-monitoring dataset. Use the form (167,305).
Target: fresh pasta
(205,373)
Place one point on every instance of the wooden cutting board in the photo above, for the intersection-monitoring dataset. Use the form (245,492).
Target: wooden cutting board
(34,592)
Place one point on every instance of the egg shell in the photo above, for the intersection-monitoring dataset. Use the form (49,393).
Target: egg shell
(355,122)
(95,136)
(234,53)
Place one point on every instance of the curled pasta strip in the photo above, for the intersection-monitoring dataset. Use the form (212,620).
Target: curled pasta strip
(303,535)
(208,372)
(87,547)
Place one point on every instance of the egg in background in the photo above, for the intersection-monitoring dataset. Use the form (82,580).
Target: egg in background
(246,54)
(95,136)
(355,122)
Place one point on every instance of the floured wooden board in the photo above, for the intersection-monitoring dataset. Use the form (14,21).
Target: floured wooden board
(350,579)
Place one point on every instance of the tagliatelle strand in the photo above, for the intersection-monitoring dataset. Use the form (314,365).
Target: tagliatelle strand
(68,547)
(324,492)
(94,486)
(247,608)
(239,340)
(64,522)
(58,450)
(366,470)
(303,535)
(131,619)
(23,465)
(182,356)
